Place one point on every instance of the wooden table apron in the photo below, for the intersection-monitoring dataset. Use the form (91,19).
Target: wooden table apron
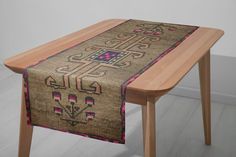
(146,89)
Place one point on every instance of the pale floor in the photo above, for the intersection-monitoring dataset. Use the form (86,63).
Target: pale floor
(179,129)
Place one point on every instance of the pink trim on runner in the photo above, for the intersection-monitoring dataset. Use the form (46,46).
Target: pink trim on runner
(123,91)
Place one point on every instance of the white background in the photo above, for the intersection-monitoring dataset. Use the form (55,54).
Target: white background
(25,24)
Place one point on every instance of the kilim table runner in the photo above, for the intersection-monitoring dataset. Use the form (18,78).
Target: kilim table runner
(82,89)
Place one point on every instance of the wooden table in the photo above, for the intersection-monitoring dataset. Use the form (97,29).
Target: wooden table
(146,89)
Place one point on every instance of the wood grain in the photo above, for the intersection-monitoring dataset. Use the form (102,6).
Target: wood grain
(144,115)
(204,73)
(179,129)
(150,128)
(26,131)
(166,73)
(19,62)
(157,80)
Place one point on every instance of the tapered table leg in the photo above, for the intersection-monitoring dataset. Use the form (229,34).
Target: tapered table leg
(25,131)
(144,114)
(204,73)
(149,128)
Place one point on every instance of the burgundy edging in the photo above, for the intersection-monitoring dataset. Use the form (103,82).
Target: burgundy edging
(123,89)
(26,90)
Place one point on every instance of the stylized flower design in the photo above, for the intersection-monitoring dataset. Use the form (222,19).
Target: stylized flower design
(89,100)
(72,98)
(90,115)
(58,110)
(56,96)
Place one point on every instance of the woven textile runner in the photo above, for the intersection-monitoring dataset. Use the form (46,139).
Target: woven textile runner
(82,89)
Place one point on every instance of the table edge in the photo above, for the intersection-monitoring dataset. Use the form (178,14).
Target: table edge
(165,87)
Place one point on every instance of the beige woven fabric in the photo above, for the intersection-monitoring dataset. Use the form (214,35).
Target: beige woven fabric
(82,90)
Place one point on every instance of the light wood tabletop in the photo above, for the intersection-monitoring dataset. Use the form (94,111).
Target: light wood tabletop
(144,90)
(157,80)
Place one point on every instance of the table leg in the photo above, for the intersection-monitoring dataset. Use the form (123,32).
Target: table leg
(25,130)
(149,128)
(144,110)
(204,73)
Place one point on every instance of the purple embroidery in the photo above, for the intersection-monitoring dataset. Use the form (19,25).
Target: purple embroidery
(107,56)
(56,96)
(58,110)
(90,115)
(89,100)
(72,98)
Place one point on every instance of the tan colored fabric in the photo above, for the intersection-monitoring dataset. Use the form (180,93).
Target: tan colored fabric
(82,90)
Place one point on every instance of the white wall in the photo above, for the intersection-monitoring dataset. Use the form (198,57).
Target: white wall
(223,78)
(25,24)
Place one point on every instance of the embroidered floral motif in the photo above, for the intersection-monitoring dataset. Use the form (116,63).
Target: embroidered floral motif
(72,109)
(97,71)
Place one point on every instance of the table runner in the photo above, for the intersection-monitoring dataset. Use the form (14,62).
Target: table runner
(81,90)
